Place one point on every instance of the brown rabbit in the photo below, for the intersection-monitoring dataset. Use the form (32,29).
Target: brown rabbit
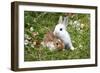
(52,42)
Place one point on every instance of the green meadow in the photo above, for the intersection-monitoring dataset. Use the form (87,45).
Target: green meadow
(40,22)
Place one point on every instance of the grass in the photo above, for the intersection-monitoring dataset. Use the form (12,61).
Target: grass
(41,22)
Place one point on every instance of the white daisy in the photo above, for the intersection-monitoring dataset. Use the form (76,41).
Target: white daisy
(26,42)
(31,29)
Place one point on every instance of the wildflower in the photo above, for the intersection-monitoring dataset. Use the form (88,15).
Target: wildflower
(26,42)
(28,23)
(27,37)
(73,41)
(82,25)
(70,22)
(77,25)
(31,29)
(35,33)
(34,20)
(80,46)
(32,45)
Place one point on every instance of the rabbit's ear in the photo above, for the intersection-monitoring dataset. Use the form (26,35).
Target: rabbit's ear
(60,20)
(65,22)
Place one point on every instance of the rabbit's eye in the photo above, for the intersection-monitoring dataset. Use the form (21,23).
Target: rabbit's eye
(56,43)
(60,29)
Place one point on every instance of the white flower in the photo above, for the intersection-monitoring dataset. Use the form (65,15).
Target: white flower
(80,46)
(28,23)
(77,25)
(73,41)
(34,20)
(70,22)
(31,29)
(78,29)
(35,33)
(26,42)
(75,22)
(32,45)
(82,25)
(27,37)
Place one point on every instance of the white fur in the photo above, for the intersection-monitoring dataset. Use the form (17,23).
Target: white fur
(63,35)
(50,45)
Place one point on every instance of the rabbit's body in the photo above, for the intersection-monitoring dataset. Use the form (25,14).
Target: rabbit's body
(60,32)
(52,42)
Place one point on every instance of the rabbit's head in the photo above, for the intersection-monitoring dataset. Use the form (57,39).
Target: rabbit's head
(60,28)
(59,45)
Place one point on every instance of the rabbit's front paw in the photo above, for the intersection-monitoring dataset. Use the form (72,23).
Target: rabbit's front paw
(72,48)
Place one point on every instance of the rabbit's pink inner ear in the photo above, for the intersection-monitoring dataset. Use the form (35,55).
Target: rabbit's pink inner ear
(60,20)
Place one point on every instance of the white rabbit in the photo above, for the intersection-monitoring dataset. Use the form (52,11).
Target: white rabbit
(60,32)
